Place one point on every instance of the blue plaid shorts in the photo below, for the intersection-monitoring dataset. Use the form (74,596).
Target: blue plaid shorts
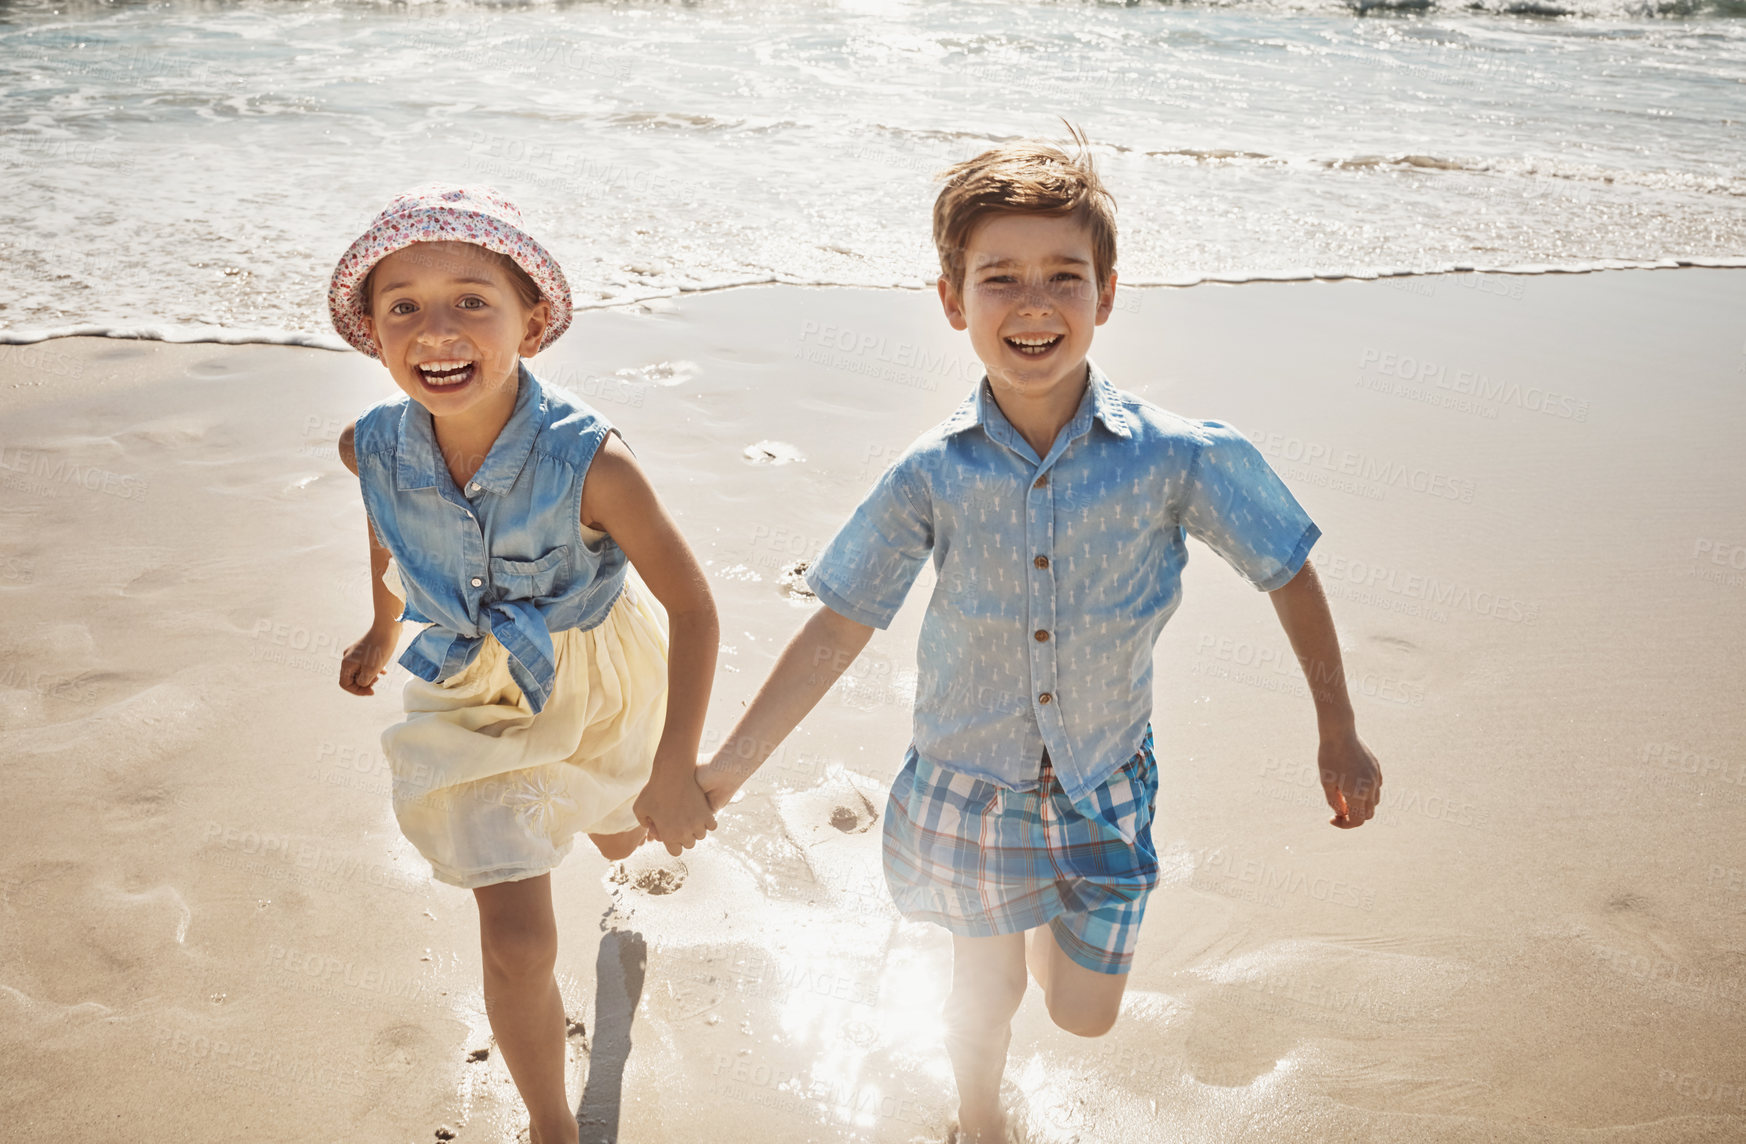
(981,860)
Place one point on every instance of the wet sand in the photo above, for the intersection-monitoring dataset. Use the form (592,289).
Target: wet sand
(1531,494)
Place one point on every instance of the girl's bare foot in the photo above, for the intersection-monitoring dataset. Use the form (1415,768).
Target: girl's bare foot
(528,1134)
(983,1126)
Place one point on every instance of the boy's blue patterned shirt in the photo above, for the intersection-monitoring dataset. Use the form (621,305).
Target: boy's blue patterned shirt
(1055,574)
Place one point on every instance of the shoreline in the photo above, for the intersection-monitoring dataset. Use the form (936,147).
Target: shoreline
(185,335)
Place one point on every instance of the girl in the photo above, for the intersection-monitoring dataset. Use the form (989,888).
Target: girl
(540,704)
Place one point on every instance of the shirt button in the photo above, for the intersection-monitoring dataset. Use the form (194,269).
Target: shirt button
(1041,562)
(1041,481)
(1042,635)
(477,581)
(474,487)
(1044,697)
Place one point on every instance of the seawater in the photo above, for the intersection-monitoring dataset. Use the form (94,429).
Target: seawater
(194,169)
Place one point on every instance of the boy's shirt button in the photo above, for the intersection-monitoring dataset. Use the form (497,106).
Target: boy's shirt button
(1041,562)
(1042,635)
(477,582)
(1044,697)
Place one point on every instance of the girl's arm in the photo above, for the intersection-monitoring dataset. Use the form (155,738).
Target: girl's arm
(820,651)
(617,498)
(364,662)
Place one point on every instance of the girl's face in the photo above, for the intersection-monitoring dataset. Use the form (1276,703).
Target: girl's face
(451,328)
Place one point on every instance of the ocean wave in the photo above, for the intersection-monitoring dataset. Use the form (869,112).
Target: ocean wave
(1660,179)
(1582,9)
(70,10)
(187,161)
(170,332)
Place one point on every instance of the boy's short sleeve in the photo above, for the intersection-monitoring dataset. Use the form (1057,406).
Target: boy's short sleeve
(1235,504)
(866,570)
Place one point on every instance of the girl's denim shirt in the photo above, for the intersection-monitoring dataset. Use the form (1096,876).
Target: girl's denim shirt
(504,555)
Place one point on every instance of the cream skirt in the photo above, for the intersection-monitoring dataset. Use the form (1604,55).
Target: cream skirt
(491,792)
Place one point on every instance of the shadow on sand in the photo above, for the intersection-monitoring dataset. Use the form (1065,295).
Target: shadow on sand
(618,987)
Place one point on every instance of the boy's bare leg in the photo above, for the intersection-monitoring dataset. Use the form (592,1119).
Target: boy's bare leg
(518,937)
(619,846)
(988,982)
(1080,1000)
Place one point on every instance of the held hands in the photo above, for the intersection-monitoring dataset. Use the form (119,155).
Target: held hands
(719,782)
(365,661)
(1351,779)
(670,810)
(674,809)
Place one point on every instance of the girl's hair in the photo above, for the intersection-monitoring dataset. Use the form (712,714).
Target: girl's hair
(525,288)
(1023,178)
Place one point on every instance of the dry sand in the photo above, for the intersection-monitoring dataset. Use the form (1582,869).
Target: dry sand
(213,930)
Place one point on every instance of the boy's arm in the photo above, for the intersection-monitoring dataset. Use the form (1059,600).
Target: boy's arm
(820,651)
(1351,778)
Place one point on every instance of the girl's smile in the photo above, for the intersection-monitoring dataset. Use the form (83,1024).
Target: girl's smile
(447,375)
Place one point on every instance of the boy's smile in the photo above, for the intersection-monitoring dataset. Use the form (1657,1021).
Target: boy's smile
(451,330)
(1031,300)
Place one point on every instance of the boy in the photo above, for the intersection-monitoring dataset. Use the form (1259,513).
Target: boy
(1054,506)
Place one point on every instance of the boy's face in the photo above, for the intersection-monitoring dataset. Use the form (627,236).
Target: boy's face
(1030,300)
(451,328)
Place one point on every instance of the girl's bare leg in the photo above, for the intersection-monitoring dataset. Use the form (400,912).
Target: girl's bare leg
(988,982)
(518,937)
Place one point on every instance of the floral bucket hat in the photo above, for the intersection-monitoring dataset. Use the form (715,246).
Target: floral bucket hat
(443,212)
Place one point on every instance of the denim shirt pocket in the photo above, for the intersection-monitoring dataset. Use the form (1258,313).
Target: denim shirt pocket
(530,579)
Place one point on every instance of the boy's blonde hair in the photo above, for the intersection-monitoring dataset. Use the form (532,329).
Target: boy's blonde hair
(1027,177)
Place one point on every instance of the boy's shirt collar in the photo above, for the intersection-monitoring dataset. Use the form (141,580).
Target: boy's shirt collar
(418,456)
(1099,401)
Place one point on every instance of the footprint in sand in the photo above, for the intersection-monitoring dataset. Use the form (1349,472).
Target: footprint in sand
(771,453)
(854,820)
(398,1048)
(792,582)
(221,366)
(661,373)
(649,874)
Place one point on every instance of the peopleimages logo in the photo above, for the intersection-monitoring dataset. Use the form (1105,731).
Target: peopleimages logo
(866,352)
(1477,385)
(33,470)
(1363,468)
(1368,583)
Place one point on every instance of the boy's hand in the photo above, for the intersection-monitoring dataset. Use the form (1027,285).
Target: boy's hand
(365,661)
(674,810)
(719,783)
(1351,779)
